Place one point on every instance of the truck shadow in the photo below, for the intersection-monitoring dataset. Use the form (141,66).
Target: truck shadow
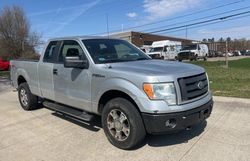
(151,140)
(176,138)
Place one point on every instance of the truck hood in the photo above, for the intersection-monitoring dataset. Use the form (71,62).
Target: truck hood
(157,68)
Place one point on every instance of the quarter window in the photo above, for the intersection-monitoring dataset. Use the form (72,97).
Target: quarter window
(51,52)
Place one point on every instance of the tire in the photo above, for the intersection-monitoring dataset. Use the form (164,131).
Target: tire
(195,57)
(205,58)
(27,100)
(114,111)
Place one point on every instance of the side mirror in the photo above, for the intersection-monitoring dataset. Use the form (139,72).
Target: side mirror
(75,62)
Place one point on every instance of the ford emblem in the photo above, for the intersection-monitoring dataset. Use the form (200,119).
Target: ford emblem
(200,85)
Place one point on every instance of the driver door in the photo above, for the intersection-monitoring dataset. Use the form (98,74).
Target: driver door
(72,85)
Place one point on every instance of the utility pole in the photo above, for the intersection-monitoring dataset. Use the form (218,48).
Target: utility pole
(186,32)
(226,55)
(107,21)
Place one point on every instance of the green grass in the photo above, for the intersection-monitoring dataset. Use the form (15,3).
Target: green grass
(5,74)
(231,82)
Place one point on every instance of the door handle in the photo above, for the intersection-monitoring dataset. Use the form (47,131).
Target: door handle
(55,71)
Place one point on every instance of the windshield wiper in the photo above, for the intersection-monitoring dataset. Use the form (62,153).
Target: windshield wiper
(113,60)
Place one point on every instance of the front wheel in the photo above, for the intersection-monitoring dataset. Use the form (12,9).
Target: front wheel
(122,123)
(205,58)
(27,100)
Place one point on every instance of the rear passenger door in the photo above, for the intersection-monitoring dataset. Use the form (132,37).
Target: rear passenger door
(45,70)
(72,85)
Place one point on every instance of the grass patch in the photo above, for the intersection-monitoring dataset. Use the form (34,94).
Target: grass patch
(5,74)
(232,82)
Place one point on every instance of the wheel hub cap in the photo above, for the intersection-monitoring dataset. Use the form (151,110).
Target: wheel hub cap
(118,125)
(24,97)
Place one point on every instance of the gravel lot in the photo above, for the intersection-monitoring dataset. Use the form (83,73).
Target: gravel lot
(45,135)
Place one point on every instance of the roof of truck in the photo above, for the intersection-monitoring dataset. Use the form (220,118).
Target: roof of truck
(80,38)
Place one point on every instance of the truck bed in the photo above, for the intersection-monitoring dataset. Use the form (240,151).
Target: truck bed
(27,68)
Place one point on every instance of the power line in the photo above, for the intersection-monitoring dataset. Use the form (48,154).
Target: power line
(186,15)
(229,18)
(174,24)
(177,17)
(211,23)
(202,22)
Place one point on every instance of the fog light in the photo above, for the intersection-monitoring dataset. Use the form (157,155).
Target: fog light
(171,123)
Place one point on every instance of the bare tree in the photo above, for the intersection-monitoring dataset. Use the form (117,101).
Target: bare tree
(16,38)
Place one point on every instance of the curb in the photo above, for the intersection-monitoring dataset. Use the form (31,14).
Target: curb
(230,99)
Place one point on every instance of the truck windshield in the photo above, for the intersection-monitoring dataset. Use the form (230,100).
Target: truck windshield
(113,50)
(157,49)
(190,47)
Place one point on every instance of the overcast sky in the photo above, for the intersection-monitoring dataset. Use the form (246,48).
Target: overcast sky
(55,18)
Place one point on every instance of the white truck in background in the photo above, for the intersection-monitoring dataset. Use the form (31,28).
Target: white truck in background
(146,48)
(193,52)
(165,49)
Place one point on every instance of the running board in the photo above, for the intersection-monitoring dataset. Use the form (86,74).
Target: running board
(79,114)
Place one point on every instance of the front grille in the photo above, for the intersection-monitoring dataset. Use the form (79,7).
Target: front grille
(184,54)
(193,87)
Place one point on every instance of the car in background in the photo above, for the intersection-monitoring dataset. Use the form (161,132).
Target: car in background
(243,52)
(247,53)
(229,54)
(4,65)
(211,53)
(218,54)
(237,53)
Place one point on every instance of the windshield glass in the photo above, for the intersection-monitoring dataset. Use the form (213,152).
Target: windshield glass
(190,47)
(157,49)
(112,50)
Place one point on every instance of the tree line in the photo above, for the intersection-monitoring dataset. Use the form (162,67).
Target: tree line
(17,40)
(233,44)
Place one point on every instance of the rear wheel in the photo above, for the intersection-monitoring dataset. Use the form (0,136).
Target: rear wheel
(27,100)
(122,123)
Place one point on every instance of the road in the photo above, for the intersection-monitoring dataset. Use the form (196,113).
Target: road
(43,135)
(229,58)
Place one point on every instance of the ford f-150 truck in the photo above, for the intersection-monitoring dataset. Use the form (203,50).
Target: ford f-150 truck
(135,95)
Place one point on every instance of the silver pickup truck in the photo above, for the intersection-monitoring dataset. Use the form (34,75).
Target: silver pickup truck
(135,95)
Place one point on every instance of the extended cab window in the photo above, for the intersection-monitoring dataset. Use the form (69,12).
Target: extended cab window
(51,52)
(71,48)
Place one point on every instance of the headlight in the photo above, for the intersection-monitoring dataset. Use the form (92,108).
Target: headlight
(161,91)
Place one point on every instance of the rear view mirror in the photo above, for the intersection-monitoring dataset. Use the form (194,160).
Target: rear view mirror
(75,62)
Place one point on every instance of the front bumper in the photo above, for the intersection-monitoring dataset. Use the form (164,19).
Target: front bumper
(186,56)
(172,122)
